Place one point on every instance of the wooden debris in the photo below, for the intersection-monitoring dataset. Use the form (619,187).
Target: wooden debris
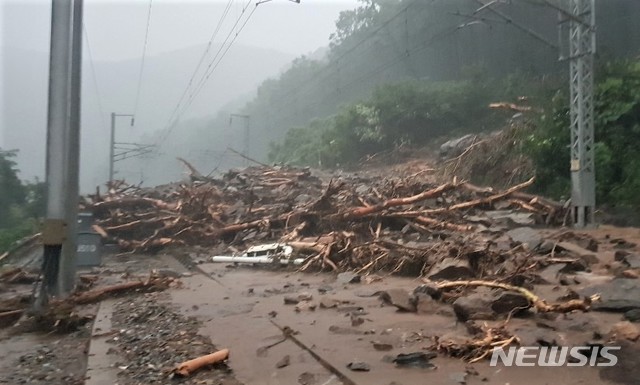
(540,304)
(189,367)
(334,225)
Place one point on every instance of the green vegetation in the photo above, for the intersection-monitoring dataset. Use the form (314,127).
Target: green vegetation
(20,203)
(407,113)
(617,138)
(416,113)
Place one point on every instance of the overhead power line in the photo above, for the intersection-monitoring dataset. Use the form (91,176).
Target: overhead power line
(202,57)
(211,67)
(95,78)
(144,54)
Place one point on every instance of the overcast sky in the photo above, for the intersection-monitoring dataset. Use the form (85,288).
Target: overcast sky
(116,28)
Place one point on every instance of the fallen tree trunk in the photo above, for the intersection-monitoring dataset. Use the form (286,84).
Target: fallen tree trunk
(364,211)
(540,304)
(98,294)
(486,200)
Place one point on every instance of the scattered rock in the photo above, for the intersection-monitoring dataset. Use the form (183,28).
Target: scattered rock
(284,362)
(529,238)
(291,300)
(573,267)
(417,359)
(546,247)
(359,366)
(345,331)
(323,289)
(304,296)
(588,243)
(474,306)
(356,321)
(507,303)
(305,306)
(632,315)
(627,369)
(458,377)
(578,251)
(426,305)
(369,279)
(307,378)
(382,347)
(451,269)
(347,277)
(430,290)
(399,298)
(509,217)
(620,243)
(630,260)
(551,274)
(169,273)
(618,295)
(624,330)
(328,303)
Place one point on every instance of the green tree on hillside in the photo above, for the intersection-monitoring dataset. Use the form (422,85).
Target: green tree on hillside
(12,192)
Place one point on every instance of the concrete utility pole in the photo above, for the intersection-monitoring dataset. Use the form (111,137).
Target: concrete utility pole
(247,132)
(581,16)
(55,231)
(67,273)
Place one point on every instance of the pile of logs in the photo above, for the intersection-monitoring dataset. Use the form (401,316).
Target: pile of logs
(399,224)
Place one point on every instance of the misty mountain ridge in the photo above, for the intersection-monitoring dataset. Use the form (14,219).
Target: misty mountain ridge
(165,77)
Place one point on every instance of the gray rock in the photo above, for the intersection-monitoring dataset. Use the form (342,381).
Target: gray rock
(506,303)
(284,362)
(475,306)
(546,247)
(573,267)
(618,295)
(458,377)
(551,274)
(347,277)
(627,370)
(426,305)
(451,269)
(455,147)
(632,315)
(359,366)
(526,236)
(399,298)
(630,260)
(508,217)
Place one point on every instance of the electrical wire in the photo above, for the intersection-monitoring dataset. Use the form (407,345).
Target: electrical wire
(202,57)
(144,54)
(210,72)
(95,78)
(211,67)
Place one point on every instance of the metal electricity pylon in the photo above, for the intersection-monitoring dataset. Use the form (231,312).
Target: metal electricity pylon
(582,48)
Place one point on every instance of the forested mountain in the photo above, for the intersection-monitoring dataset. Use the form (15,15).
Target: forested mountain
(407,40)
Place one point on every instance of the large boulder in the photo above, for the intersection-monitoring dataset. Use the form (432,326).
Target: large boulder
(618,295)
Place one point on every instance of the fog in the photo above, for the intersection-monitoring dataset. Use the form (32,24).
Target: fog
(286,66)
(275,34)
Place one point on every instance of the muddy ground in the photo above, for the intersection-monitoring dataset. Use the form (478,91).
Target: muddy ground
(287,327)
(242,308)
